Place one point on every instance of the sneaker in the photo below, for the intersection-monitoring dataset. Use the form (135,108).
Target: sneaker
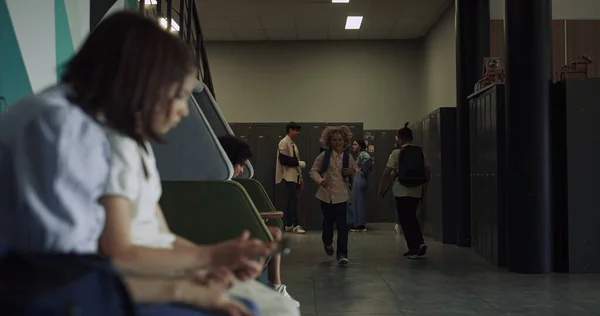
(361,228)
(397,229)
(281,289)
(422,250)
(411,254)
(342,260)
(289,228)
(299,230)
(329,250)
(353,229)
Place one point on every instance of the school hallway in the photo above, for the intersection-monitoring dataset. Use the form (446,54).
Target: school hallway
(450,281)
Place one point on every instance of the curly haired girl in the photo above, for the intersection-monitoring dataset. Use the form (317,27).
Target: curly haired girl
(331,170)
(330,131)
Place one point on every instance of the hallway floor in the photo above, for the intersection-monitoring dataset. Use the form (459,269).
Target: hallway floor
(451,281)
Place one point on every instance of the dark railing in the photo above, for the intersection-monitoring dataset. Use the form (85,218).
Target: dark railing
(185,16)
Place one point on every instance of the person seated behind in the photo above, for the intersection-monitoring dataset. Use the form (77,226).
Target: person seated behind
(55,162)
(238,153)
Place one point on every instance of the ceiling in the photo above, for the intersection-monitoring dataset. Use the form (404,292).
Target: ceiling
(289,20)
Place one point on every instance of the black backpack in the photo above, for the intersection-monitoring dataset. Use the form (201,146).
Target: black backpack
(411,166)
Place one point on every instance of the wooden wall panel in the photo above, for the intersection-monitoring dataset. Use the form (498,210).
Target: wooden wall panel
(558,47)
(497,38)
(497,45)
(582,39)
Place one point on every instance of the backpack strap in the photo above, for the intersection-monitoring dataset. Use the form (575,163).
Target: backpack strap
(346,162)
(399,160)
(326,159)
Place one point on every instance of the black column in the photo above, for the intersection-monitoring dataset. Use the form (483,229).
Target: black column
(528,35)
(472,45)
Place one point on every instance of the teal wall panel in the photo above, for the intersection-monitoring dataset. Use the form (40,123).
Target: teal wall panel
(64,40)
(14,81)
(131,5)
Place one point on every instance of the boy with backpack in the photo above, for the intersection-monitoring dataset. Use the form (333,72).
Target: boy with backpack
(409,170)
(331,171)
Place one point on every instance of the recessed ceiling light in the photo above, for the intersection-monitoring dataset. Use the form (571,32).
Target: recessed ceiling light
(149,2)
(340,1)
(353,22)
(174,25)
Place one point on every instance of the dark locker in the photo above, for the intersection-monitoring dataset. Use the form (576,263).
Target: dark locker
(371,198)
(488,227)
(576,170)
(246,133)
(304,213)
(426,207)
(436,135)
(265,155)
(357,130)
(384,142)
(472,171)
(309,203)
(279,192)
(430,211)
(447,163)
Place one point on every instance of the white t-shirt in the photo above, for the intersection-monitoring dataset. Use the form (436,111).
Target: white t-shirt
(127,179)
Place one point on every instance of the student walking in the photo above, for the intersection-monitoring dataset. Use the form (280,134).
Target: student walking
(288,171)
(331,171)
(412,173)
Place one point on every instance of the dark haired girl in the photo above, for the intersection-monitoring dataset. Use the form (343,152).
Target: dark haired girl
(356,211)
(86,140)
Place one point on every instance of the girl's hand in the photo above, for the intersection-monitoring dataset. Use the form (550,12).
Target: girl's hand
(217,275)
(212,296)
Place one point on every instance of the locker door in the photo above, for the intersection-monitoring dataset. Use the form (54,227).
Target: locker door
(246,133)
(371,198)
(264,153)
(303,147)
(279,192)
(484,209)
(357,130)
(310,206)
(476,208)
(385,142)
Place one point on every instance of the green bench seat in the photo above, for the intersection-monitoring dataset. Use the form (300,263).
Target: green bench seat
(261,199)
(209,212)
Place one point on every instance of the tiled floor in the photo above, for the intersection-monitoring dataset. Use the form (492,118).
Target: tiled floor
(451,281)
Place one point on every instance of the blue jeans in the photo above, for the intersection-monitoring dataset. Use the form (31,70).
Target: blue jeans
(356,211)
(183,310)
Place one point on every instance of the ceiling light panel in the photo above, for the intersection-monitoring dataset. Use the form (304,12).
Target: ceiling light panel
(353,22)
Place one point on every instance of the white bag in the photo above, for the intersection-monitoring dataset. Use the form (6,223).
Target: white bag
(270,303)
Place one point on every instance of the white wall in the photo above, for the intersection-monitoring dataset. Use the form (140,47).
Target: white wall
(375,82)
(440,64)
(79,20)
(561,9)
(33,23)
